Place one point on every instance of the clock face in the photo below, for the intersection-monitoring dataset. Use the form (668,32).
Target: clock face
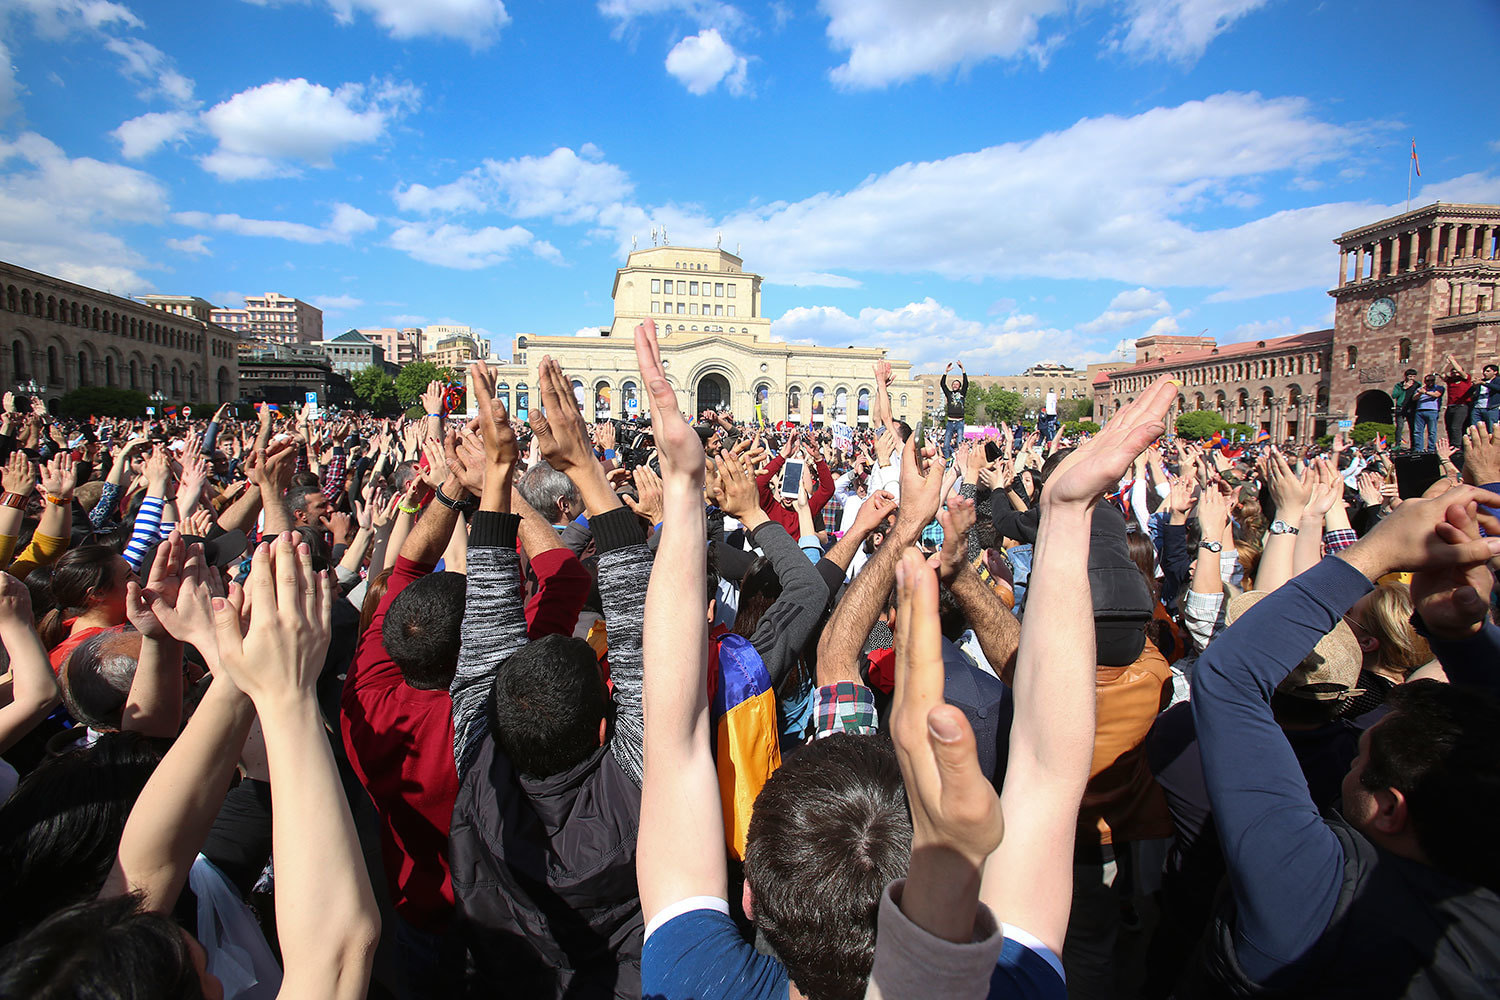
(1381,312)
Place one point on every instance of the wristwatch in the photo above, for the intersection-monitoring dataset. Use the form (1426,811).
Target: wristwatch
(1211,546)
(1280,527)
(467,504)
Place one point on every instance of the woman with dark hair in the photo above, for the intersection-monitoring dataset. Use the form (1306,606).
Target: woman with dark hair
(89,587)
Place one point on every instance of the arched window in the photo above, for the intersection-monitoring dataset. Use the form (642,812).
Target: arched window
(1404,351)
(135,375)
(83,368)
(10,298)
(502,393)
(1353,356)
(54,373)
(26,301)
(51,307)
(155,378)
(602,402)
(817,404)
(109,371)
(630,400)
(793,400)
(18,362)
(175,391)
(862,406)
(523,400)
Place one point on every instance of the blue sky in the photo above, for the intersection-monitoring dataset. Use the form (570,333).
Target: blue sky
(1003,181)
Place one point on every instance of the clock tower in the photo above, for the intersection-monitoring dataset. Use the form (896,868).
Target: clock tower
(1410,289)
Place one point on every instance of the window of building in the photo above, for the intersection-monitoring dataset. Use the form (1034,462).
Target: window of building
(656,307)
(656,285)
(731,308)
(681,307)
(667,287)
(719,290)
(1353,356)
(695,327)
(729,289)
(1405,349)
(692,288)
(718,310)
(693,309)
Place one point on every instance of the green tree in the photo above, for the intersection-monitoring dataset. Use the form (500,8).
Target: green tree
(972,402)
(373,387)
(1073,428)
(1069,410)
(1195,425)
(412,381)
(1002,406)
(102,401)
(1238,432)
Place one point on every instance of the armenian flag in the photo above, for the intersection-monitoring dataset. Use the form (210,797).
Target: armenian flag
(1262,435)
(169,411)
(747,749)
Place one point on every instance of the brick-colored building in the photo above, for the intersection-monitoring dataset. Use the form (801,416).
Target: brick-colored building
(1410,288)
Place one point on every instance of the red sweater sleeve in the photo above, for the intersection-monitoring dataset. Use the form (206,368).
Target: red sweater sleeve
(824,492)
(562,587)
(763,484)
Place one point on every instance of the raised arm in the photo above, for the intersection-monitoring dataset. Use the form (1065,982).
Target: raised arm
(34,689)
(326,918)
(854,616)
(998,631)
(1028,881)
(494,623)
(680,799)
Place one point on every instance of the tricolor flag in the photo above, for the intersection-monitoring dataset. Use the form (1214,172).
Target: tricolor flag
(1264,435)
(1416,163)
(747,745)
(170,411)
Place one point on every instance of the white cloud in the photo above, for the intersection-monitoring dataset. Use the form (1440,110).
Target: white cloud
(563,185)
(1127,308)
(1476,188)
(335,303)
(1165,325)
(930,335)
(56,212)
(701,62)
(266,130)
(477,22)
(450,245)
(148,64)
(195,245)
(709,13)
(459,196)
(1097,200)
(406,319)
(10,88)
(891,41)
(345,222)
(143,135)
(1264,329)
(1178,30)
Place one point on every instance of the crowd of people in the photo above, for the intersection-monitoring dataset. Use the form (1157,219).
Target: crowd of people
(1460,398)
(336,706)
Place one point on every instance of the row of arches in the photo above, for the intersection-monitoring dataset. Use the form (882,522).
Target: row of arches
(27,302)
(1284,366)
(1288,413)
(62,369)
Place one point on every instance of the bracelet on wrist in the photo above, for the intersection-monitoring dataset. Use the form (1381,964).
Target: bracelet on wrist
(60,501)
(414,509)
(15,501)
(460,505)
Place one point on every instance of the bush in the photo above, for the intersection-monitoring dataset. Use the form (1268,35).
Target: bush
(1364,433)
(1073,428)
(101,401)
(1239,431)
(1197,425)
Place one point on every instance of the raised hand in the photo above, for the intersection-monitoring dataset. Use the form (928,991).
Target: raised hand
(1409,539)
(558,425)
(273,633)
(956,520)
(1289,491)
(60,476)
(1481,456)
(183,607)
(436,473)
(20,474)
(465,460)
(500,448)
(921,485)
(1098,464)
(162,583)
(678,445)
(648,489)
(956,817)
(1453,600)
(339,524)
(200,523)
(872,513)
(604,435)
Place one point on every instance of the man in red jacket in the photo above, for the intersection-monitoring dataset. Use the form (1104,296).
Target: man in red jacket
(397,722)
(782,510)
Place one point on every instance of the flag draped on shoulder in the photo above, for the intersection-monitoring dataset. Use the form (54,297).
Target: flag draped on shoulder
(747,746)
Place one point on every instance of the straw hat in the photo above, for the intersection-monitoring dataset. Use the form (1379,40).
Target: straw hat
(1329,673)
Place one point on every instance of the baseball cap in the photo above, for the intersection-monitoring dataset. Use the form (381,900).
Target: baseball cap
(1329,673)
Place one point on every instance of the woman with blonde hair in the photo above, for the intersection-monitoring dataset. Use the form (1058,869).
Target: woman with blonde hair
(1381,621)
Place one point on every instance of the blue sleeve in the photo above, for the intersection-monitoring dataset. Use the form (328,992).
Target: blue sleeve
(1023,974)
(700,955)
(1285,864)
(144,534)
(1472,661)
(210,436)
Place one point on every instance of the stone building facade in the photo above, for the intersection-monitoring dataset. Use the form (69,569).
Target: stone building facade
(65,335)
(714,357)
(1410,289)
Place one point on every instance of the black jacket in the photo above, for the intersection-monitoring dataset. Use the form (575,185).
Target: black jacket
(544,878)
(955,400)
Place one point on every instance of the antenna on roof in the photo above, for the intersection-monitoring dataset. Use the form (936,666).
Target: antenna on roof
(719,240)
(632,243)
(653,236)
(664,241)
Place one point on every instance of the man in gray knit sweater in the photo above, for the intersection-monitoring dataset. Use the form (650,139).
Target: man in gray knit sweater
(542,846)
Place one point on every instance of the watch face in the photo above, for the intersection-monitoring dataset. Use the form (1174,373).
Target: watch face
(1381,312)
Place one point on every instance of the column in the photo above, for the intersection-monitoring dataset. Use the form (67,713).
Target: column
(1452,242)
(1411,256)
(1343,268)
(1377,252)
(1359,264)
(1432,245)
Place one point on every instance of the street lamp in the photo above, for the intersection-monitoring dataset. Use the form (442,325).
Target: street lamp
(31,387)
